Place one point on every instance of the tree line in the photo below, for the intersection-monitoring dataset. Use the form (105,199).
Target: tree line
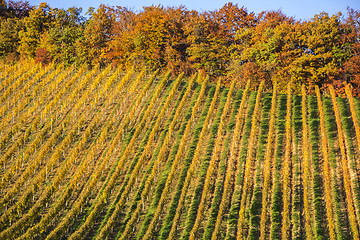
(229,42)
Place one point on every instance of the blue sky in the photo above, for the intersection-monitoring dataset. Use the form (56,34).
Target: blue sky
(304,9)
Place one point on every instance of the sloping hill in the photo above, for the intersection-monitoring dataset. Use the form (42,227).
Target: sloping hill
(106,154)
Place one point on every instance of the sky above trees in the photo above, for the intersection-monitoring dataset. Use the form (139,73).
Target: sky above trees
(304,9)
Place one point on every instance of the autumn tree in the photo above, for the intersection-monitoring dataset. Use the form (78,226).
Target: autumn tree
(39,20)
(151,35)
(18,9)
(60,40)
(9,37)
(11,15)
(92,45)
(3,8)
(324,52)
(176,55)
(211,36)
(121,46)
(350,72)
(262,46)
(305,52)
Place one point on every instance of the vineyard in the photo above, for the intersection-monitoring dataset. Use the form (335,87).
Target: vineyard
(114,154)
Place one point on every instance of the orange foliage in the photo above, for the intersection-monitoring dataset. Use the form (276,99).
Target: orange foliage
(42,56)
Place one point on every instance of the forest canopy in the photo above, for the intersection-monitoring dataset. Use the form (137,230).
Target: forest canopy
(229,42)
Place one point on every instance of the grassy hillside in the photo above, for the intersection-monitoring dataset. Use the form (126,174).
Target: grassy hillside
(106,154)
